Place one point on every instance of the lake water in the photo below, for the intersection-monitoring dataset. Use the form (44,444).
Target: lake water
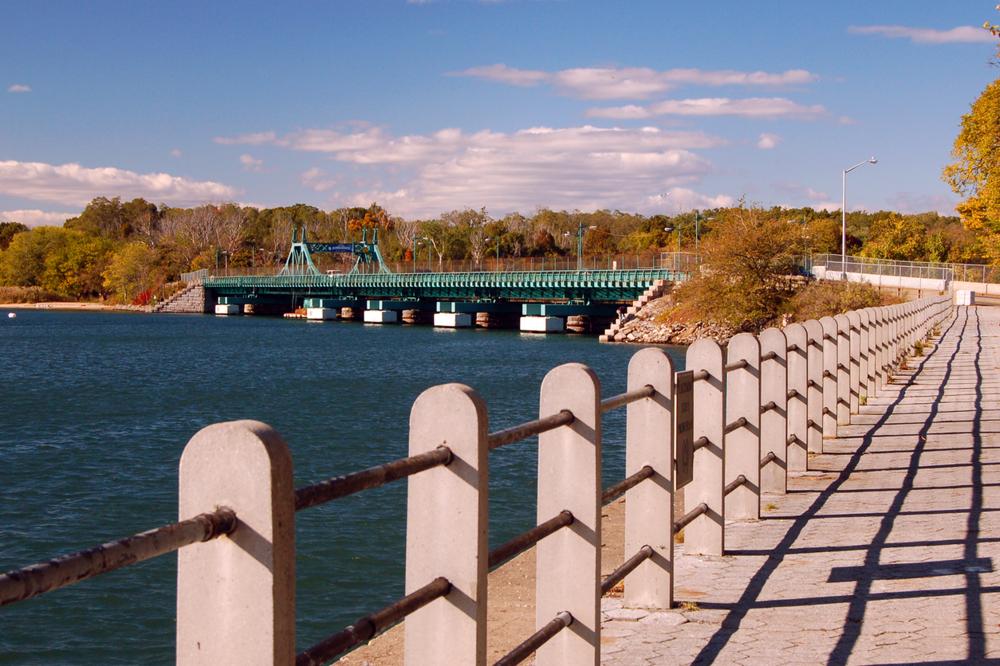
(95,409)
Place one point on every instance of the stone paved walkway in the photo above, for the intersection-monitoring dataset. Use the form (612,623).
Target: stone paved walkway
(886,552)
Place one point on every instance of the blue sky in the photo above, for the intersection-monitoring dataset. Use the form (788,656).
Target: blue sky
(430,106)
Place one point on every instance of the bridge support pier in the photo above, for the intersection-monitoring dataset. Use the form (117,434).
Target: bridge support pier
(542,324)
(226,309)
(381,317)
(321,314)
(452,320)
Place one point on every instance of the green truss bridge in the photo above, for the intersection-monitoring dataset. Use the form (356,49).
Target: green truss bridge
(584,287)
(454,299)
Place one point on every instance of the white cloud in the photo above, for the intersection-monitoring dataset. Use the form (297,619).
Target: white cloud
(750,107)
(18,88)
(176,152)
(72,184)
(583,167)
(251,163)
(318,180)
(253,139)
(632,82)
(965,34)
(35,217)
(768,141)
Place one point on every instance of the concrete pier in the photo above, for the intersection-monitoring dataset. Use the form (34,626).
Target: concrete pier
(541,324)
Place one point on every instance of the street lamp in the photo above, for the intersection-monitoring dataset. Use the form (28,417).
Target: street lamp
(843,215)
(579,243)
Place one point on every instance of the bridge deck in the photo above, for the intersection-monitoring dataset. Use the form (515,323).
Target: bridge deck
(588,286)
(886,552)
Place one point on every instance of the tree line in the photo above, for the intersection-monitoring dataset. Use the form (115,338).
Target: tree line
(126,250)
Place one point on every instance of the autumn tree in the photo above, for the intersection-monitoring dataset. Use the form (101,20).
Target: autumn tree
(746,261)
(975,173)
(130,271)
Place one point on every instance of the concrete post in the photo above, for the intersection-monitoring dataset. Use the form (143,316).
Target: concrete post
(854,352)
(705,535)
(773,417)
(867,370)
(236,594)
(798,381)
(880,348)
(814,419)
(568,563)
(843,369)
(742,443)
(446,528)
(649,506)
(829,376)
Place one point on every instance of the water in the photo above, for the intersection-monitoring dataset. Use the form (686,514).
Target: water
(95,409)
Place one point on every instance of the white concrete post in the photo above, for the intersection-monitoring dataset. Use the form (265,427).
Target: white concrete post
(568,562)
(446,527)
(867,369)
(774,410)
(843,369)
(814,419)
(236,594)
(854,351)
(893,334)
(798,381)
(880,347)
(649,506)
(742,442)
(829,376)
(705,535)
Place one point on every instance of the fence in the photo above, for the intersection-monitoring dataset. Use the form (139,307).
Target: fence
(729,427)
(907,269)
(195,276)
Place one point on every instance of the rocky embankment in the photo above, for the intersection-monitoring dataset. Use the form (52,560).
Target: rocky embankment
(653,324)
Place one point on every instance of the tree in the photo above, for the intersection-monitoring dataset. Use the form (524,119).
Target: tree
(63,261)
(745,263)
(896,237)
(130,270)
(7,232)
(975,173)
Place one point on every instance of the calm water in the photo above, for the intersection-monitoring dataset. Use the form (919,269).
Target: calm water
(95,409)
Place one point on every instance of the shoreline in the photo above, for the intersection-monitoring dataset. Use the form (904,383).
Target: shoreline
(74,306)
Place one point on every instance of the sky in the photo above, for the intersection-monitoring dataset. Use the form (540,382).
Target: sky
(430,106)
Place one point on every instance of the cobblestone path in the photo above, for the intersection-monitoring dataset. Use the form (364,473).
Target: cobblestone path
(885,552)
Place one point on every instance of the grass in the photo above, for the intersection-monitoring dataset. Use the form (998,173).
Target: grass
(770,506)
(918,348)
(863,400)
(689,606)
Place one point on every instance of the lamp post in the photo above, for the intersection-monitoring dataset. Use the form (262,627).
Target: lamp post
(580,230)
(843,215)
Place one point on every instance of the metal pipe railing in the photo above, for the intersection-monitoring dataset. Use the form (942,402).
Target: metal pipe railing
(536,640)
(627,567)
(629,482)
(368,626)
(36,579)
(622,399)
(516,433)
(373,477)
(526,540)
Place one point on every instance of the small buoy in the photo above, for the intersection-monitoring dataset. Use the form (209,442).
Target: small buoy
(11,315)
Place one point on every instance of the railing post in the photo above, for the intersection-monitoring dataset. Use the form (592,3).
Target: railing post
(773,418)
(236,594)
(649,506)
(446,527)
(568,562)
(880,347)
(867,370)
(742,443)
(854,353)
(843,369)
(814,418)
(705,535)
(829,376)
(798,381)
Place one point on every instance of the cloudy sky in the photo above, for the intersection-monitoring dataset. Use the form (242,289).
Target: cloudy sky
(434,105)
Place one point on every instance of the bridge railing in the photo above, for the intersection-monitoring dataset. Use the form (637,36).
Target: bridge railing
(731,427)
(949,272)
